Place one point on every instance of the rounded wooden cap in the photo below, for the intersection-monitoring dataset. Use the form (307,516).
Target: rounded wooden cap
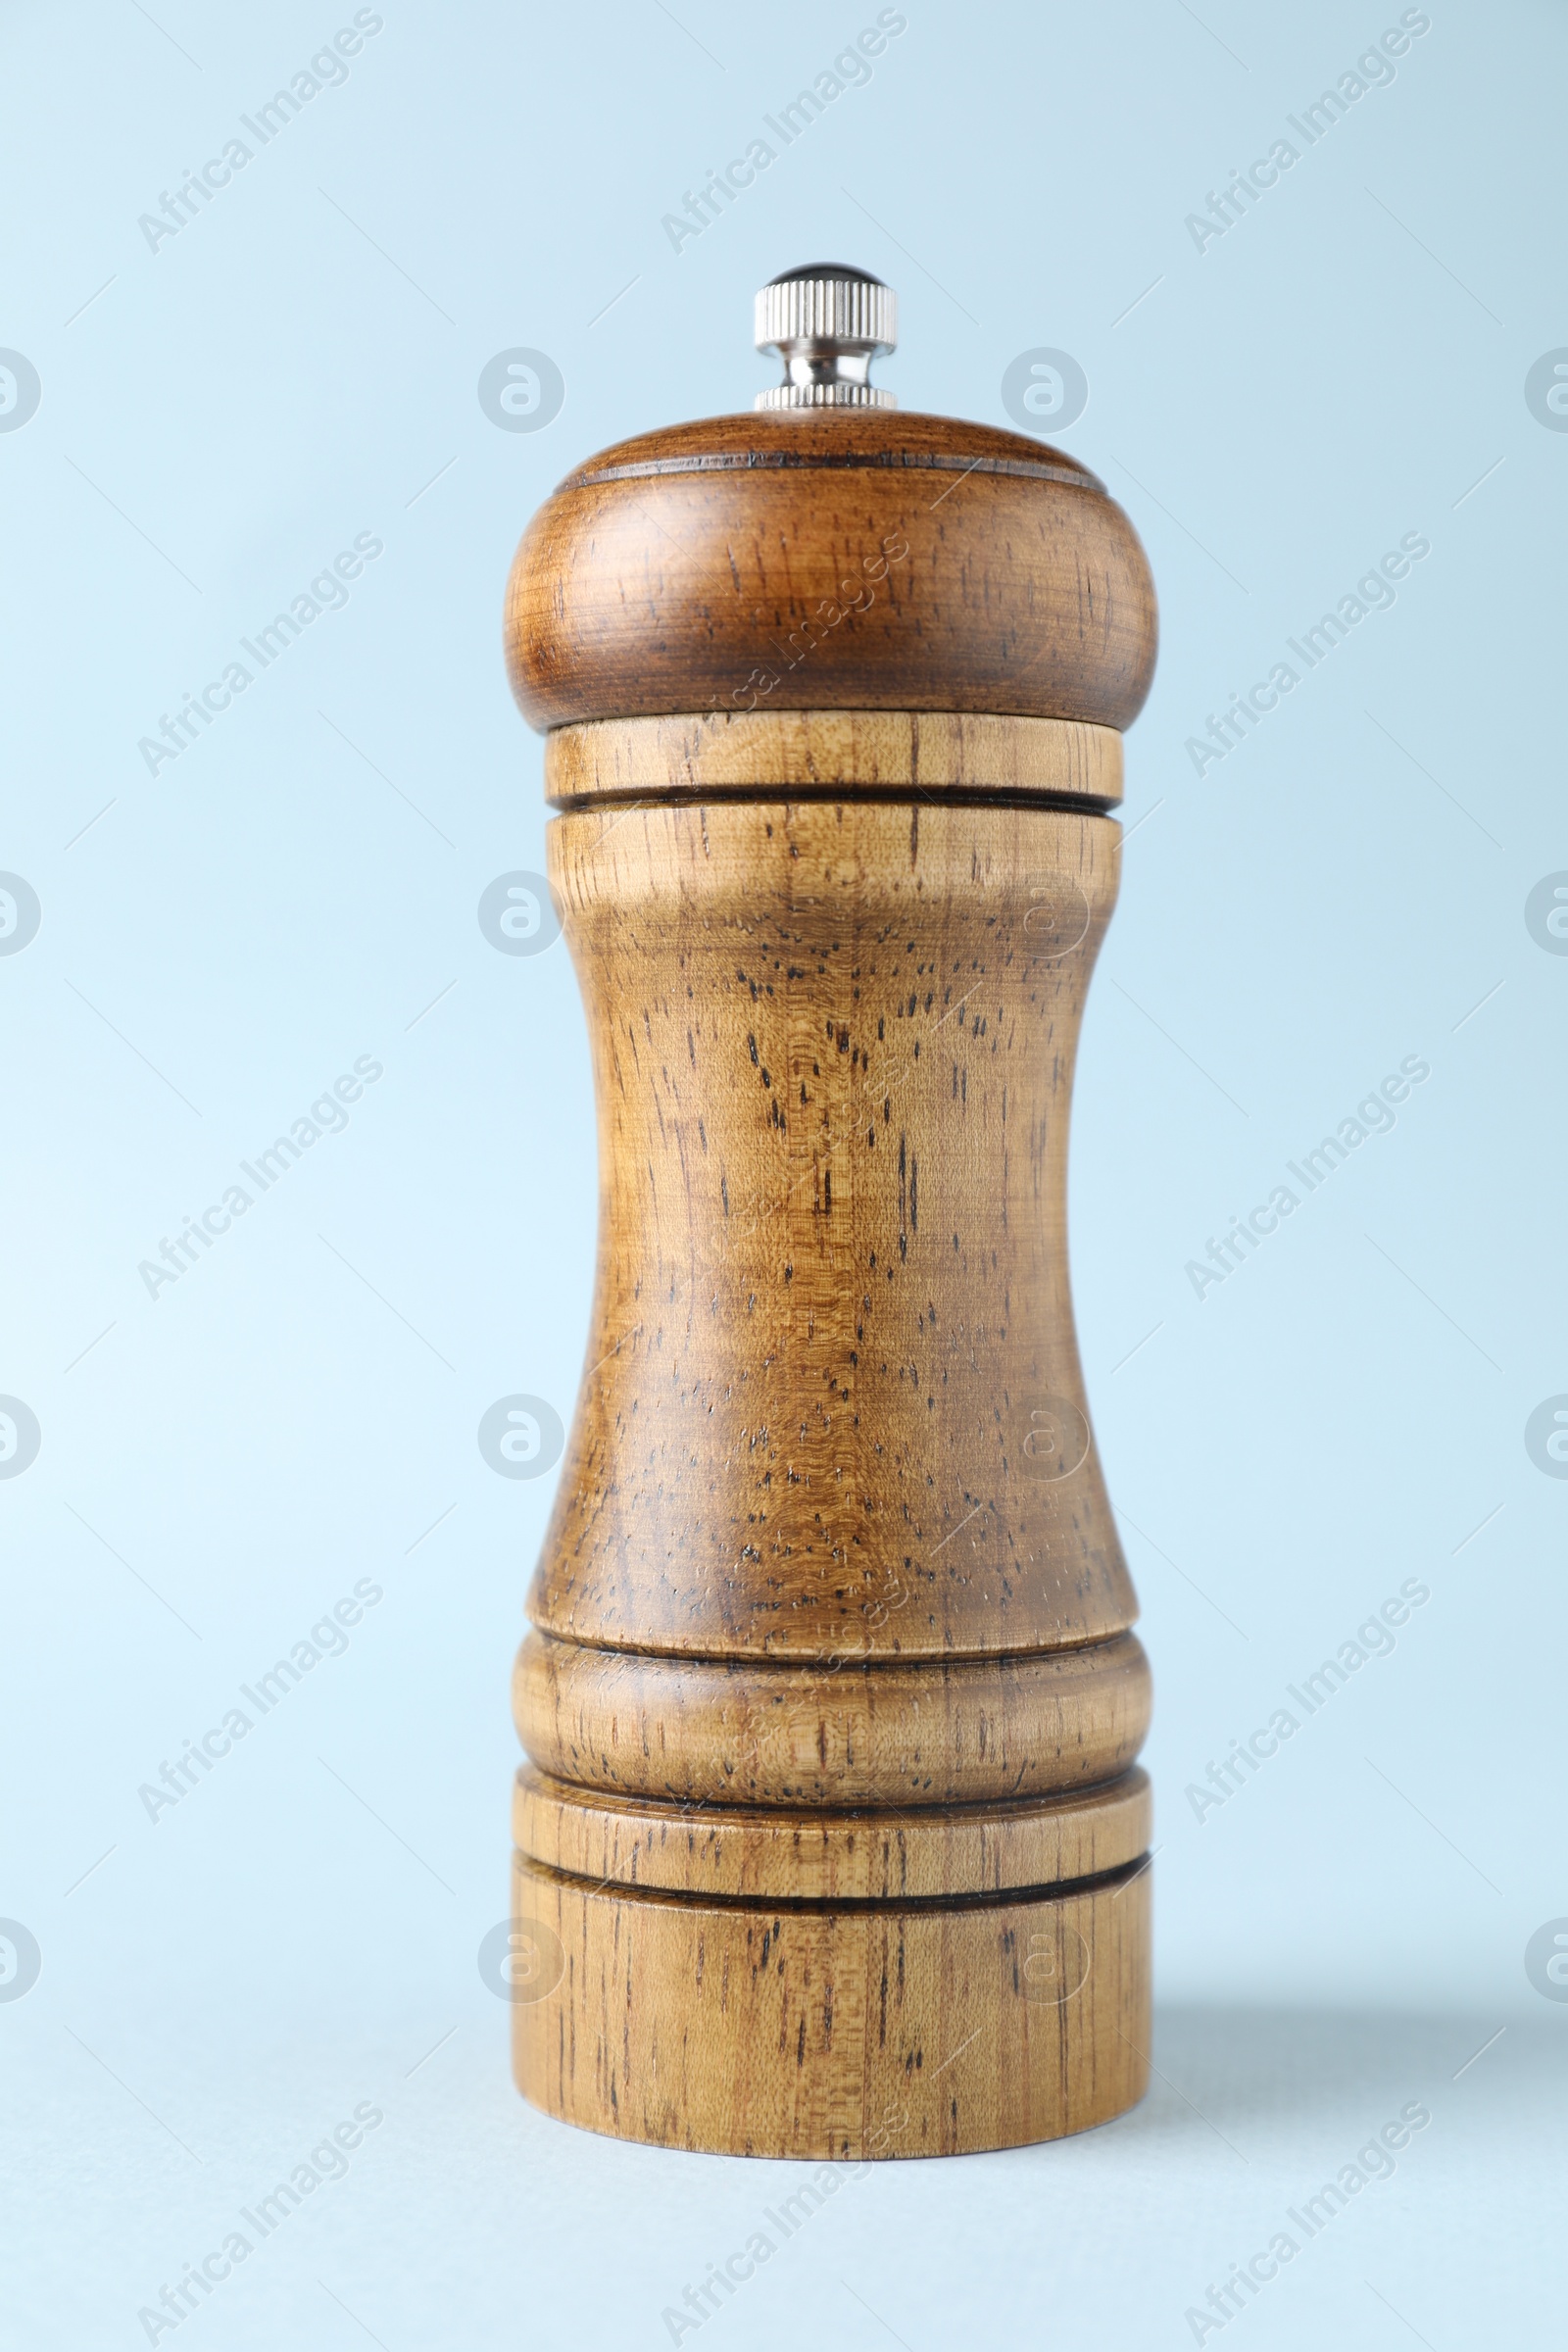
(845,558)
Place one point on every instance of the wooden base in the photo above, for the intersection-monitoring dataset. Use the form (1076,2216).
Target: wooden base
(969,1979)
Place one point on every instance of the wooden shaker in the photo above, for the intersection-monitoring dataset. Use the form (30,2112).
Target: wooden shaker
(832,1842)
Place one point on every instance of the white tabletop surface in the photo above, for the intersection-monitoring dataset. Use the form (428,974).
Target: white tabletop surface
(466,2220)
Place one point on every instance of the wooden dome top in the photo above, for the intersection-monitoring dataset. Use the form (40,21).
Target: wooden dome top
(830,558)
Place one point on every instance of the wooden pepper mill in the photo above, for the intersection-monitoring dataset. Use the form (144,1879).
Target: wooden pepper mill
(832,1843)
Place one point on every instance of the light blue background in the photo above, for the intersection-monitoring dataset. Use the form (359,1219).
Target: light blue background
(298,366)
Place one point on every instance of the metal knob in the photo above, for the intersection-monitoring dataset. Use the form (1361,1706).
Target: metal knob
(827,322)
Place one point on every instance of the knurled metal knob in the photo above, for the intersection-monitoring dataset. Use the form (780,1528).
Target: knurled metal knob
(827,321)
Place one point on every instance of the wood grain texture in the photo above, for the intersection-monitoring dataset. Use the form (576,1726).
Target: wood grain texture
(833,1845)
(834,1404)
(759,1733)
(839,560)
(832,2031)
(910,754)
(827,1852)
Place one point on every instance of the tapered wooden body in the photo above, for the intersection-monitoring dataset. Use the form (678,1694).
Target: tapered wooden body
(832,1841)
